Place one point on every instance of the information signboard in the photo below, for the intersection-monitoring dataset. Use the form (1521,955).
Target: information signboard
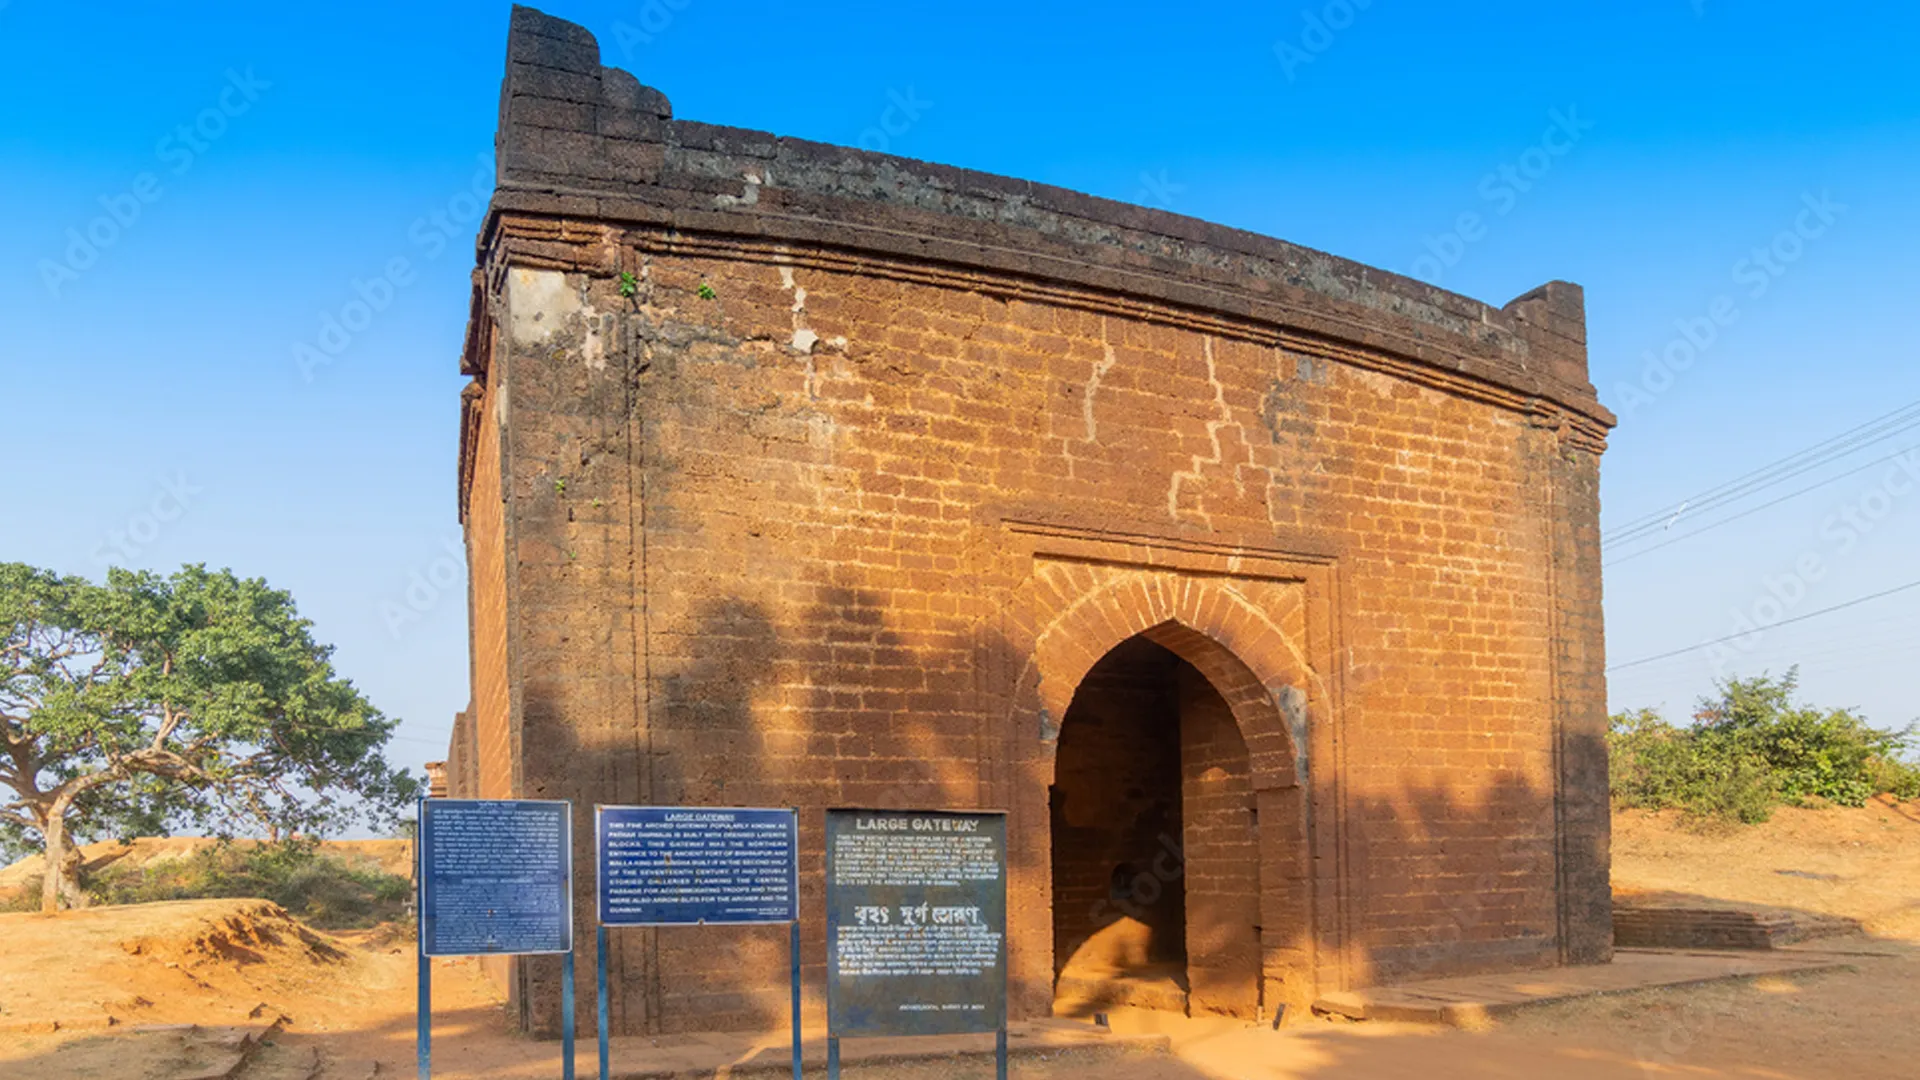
(677,866)
(916,922)
(496,876)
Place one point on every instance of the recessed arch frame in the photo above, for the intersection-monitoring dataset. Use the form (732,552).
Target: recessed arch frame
(1259,654)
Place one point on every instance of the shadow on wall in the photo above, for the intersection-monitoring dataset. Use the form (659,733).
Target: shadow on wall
(1450,870)
(1445,883)
(830,707)
(1452,879)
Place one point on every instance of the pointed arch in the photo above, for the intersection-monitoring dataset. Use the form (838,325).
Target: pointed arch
(1239,646)
(1247,635)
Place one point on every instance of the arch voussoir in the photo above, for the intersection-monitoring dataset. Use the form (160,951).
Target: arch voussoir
(1241,652)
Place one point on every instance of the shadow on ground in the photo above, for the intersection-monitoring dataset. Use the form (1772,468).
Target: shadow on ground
(1766,1030)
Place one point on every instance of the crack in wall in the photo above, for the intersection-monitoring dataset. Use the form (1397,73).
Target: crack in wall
(804,337)
(1087,395)
(1100,370)
(1195,471)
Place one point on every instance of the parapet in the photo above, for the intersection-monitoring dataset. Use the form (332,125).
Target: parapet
(581,141)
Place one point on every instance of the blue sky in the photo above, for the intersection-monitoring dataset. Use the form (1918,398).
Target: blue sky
(153,402)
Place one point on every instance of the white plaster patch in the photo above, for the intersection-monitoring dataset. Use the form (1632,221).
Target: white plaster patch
(1100,370)
(541,304)
(594,348)
(747,198)
(804,338)
(1196,469)
(1087,395)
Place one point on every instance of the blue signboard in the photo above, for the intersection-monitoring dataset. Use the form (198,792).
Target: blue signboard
(680,865)
(916,923)
(496,876)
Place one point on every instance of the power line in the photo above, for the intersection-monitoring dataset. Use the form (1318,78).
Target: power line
(1871,431)
(1756,509)
(1795,464)
(424,740)
(1782,622)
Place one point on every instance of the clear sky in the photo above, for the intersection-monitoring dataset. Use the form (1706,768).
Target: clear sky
(154,412)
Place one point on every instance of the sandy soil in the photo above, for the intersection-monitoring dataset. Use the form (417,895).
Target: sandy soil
(1864,864)
(104,973)
(351,996)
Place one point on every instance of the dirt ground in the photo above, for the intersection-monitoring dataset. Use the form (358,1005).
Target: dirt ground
(350,997)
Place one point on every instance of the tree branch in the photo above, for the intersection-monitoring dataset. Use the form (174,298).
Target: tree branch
(169,721)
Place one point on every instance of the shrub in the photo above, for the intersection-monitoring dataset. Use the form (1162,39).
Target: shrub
(1751,749)
(1657,766)
(319,888)
(1897,778)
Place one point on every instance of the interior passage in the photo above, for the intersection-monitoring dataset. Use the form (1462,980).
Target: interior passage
(1155,853)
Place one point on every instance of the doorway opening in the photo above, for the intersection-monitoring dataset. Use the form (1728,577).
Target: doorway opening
(1155,854)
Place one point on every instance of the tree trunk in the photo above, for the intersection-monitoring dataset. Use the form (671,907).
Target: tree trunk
(70,886)
(53,877)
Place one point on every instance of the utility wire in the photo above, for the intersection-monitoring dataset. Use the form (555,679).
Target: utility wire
(1756,509)
(1796,464)
(1782,622)
(1872,430)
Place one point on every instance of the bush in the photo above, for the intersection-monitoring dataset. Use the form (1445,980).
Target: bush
(1657,766)
(314,886)
(1752,749)
(1897,778)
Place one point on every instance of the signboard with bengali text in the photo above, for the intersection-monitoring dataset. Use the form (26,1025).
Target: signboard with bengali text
(916,922)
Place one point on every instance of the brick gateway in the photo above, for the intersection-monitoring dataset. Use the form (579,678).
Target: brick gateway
(1260,587)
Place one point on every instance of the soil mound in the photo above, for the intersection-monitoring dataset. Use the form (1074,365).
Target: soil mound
(205,961)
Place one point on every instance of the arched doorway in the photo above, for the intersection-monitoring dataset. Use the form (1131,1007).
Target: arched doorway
(1155,842)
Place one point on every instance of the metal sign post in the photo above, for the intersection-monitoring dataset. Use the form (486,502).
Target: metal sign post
(423,1007)
(495,878)
(793,962)
(697,866)
(600,951)
(916,926)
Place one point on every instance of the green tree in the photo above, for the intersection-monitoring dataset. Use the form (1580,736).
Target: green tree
(1753,747)
(1831,754)
(151,702)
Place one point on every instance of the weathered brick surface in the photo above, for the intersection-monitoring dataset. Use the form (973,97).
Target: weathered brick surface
(1222,855)
(487,723)
(880,459)
(463,759)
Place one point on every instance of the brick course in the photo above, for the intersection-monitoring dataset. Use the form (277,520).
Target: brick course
(881,458)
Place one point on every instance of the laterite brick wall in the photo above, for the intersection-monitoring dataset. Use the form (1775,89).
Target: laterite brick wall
(871,462)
